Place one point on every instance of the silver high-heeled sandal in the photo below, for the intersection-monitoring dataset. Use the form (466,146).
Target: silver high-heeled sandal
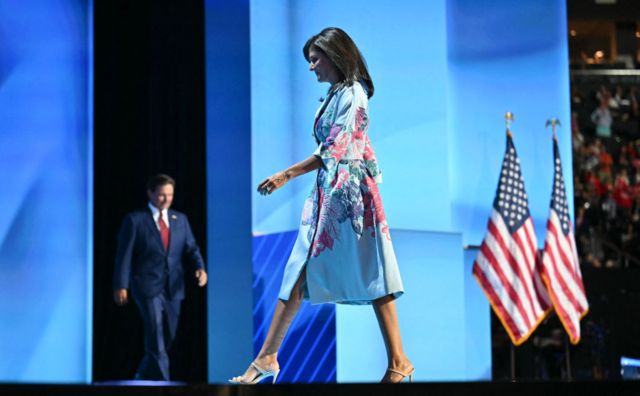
(404,375)
(262,374)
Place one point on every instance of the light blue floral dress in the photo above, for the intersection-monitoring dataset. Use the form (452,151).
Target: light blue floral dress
(344,240)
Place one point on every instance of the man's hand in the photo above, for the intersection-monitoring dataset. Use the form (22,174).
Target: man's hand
(121,296)
(201,276)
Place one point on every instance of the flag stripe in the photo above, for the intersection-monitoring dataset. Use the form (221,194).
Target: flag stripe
(576,263)
(505,284)
(530,240)
(523,251)
(522,237)
(564,268)
(566,255)
(559,303)
(506,263)
(508,321)
(512,270)
(563,295)
(561,285)
(541,289)
(560,265)
(563,299)
(522,267)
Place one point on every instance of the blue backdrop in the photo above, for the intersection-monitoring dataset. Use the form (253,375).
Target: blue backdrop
(46,169)
(445,73)
(505,56)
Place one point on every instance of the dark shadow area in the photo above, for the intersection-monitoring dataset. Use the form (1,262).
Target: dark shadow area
(149,118)
(524,388)
(609,332)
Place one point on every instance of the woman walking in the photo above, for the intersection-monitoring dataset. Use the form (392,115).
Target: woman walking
(343,252)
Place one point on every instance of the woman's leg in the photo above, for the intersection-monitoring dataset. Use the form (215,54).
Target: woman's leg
(283,316)
(385,309)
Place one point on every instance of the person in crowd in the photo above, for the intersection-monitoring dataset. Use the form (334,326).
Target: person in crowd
(577,138)
(622,190)
(343,252)
(607,180)
(634,109)
(602,117)
(590,154)
(155,245)
(594,185)
(605,160)
(609,209)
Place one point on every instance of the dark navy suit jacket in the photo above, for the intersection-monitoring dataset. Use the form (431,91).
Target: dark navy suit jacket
(143,265)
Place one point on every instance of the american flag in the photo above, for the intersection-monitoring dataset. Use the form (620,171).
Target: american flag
(560,266)
(506,266)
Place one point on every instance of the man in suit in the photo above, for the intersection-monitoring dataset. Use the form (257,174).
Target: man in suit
(154,247)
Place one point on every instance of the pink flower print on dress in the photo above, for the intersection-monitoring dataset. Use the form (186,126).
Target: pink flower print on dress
(369,155)
(337,143)
(361,118)
(374,212)
(329,221)
(308,211)
(342,177)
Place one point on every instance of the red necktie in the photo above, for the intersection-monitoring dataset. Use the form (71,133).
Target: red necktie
(164,232)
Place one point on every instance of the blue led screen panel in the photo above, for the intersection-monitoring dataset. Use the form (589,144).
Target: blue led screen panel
(229,240)
(445,73)
(308,353)
(435,316)
(505,56)
(46,168)
(404,45)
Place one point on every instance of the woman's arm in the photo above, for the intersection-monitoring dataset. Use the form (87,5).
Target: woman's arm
(277,180)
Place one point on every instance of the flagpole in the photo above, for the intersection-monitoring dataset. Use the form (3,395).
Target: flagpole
(508,119)
(565,288)
(512,358)
(553,122)
(567,357)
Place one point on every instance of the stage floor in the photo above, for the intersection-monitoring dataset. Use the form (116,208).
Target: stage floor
(600,388)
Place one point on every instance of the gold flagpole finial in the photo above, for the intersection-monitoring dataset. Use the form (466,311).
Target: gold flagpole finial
(509,118)
(553,122)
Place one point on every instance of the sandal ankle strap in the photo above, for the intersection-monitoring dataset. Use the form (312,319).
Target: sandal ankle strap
(408,373)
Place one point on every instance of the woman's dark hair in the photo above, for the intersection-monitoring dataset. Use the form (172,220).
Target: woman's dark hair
(344,54)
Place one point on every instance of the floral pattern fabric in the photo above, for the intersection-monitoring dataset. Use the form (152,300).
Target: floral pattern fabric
(344,241)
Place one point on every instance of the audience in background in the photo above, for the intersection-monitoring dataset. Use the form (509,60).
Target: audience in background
(606,175)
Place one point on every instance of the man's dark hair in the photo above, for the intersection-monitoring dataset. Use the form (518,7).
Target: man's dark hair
(158,180)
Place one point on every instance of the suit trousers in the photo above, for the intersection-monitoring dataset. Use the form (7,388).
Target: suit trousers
(160,317)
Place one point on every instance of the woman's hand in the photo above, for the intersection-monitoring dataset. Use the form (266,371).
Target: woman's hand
(273,182)
(277,180)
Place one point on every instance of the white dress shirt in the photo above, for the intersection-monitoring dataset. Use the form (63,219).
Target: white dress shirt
(156,213)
